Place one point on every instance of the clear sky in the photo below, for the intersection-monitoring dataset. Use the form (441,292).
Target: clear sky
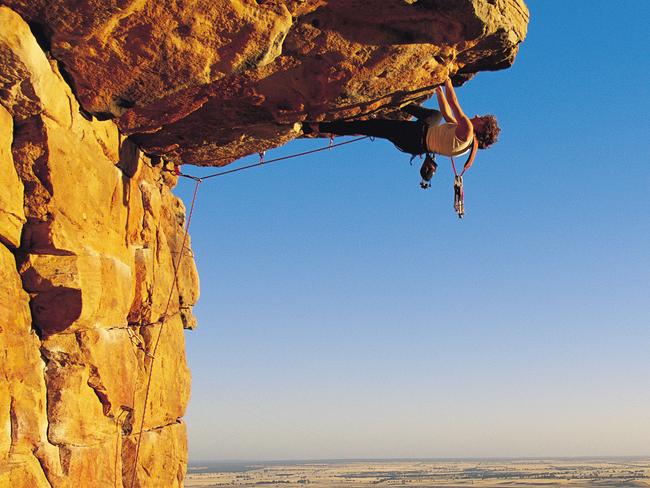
(345,312)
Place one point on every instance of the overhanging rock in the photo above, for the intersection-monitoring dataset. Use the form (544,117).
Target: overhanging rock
(207,82)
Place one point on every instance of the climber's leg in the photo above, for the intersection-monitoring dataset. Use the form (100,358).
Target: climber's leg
(406,135)
(429,115)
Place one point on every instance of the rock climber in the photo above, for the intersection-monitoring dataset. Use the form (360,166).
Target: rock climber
(454,137)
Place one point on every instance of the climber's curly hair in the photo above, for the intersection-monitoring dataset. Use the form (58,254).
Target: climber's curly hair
(488,133)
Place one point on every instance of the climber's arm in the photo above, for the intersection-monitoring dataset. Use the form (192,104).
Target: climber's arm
(444,105)
(465,130)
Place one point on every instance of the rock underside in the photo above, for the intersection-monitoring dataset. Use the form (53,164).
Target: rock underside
(98,101)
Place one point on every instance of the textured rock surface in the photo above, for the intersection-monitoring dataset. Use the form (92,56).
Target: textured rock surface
(206,82)
(12,215)
(89,228)
(89,234)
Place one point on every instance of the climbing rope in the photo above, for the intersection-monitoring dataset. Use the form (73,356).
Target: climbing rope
(262,162)
(138,343)
(152,355)
(198,180)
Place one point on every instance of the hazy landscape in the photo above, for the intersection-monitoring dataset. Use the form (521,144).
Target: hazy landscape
(516,473)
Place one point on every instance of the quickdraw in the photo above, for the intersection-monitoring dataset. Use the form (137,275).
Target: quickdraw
(459,205)
(459,193)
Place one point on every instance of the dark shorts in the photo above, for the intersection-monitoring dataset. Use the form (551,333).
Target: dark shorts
(408,136)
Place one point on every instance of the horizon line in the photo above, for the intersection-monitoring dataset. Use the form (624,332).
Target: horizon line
(440,459)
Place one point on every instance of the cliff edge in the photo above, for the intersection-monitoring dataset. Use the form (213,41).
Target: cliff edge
(98,101)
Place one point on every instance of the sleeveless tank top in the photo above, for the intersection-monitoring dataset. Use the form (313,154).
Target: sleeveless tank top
(441,139)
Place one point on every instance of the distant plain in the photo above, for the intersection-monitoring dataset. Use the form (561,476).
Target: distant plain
(512,473)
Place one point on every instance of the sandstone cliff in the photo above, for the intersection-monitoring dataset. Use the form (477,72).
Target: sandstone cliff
(90,231)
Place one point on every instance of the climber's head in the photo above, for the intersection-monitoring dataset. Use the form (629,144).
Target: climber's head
(486,130)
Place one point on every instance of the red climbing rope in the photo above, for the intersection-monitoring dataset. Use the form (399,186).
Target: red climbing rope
(162,324)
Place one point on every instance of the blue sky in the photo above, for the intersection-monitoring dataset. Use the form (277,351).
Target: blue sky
(344,312)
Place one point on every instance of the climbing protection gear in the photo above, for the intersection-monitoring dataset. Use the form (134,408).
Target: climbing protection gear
(282,158)
(427,170)
(459,193)
(459,204)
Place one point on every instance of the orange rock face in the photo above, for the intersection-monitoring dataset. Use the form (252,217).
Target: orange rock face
(12,215)
(90,231)
(207,82)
